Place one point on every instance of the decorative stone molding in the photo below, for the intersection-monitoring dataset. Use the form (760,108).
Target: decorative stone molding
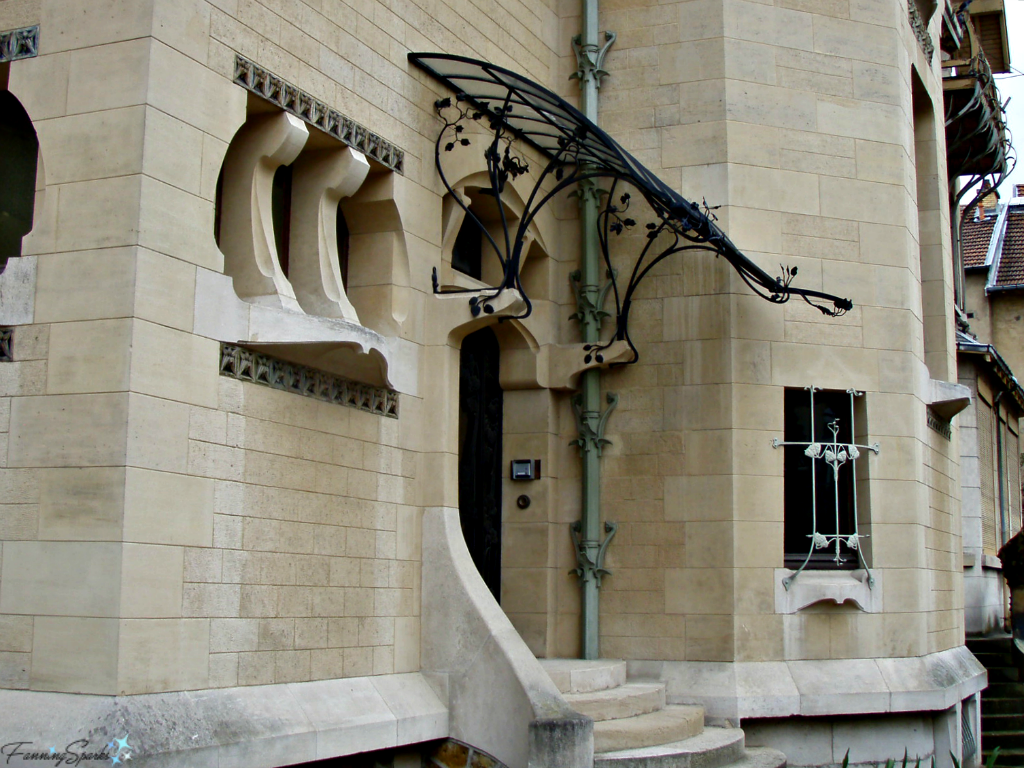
(258,368)
(269,86)
(938,424)
(6,345)
(829,586)
(255,726)
(19,44)
(920,30)
(819,688)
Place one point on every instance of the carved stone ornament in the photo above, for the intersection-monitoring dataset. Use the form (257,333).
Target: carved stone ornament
(6,345)
(269,86)
(258,368)
(19,44)
(920,30)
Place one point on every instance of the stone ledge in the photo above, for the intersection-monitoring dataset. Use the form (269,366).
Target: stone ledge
(254,726)
(325,343)
(740,690)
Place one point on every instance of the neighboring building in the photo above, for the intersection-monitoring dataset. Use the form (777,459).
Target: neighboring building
(237,422)
(993,258)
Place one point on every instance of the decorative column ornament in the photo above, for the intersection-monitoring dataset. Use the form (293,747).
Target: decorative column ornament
(590,60)
(590,553)
(591,424)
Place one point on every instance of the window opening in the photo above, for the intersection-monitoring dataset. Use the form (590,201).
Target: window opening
(820,485)
(467,253)
(342,234)
(218,206)
(19,156)
(281,210)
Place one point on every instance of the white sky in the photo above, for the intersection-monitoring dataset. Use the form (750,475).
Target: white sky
(1012,86)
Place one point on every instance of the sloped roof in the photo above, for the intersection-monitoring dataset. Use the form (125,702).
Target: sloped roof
(1011,258)
(974,239)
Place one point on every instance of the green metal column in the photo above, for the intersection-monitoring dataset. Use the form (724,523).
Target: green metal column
(587,404)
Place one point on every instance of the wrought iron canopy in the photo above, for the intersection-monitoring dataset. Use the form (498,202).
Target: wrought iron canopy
(578,153)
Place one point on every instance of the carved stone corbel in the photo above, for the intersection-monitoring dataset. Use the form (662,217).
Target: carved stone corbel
(247,225)
(319,181)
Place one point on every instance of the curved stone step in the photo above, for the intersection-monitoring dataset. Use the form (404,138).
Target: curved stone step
(627,700)
(761,757)
(712,748)
(580,676)
(662,727)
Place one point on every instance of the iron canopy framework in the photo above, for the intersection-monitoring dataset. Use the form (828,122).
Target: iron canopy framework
(578,155)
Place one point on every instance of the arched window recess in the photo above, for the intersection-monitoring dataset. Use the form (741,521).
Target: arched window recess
(511,108)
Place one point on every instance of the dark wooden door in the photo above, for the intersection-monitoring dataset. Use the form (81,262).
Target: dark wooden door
(480,422)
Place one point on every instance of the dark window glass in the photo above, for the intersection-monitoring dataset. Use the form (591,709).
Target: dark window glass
(281,210)
(467,252)
(341,231)
(19,150)
(830,407)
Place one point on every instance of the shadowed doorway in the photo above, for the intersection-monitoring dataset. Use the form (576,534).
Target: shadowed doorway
(480,424)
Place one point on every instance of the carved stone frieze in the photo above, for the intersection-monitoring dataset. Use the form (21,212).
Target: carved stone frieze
(938,424)
(269,86)
(19,44)
(920,29)
(6,345)
(258,368)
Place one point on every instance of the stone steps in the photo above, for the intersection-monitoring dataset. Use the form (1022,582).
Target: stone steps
(634,728)
(712,748)
(1005,740)
(1007,757)
(578,676)
(670,724)
(627,700)
(1002,702)
(997,706)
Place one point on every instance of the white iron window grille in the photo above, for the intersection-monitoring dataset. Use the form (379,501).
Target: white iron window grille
(821,479)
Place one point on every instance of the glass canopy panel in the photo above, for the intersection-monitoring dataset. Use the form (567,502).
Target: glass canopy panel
(565,136)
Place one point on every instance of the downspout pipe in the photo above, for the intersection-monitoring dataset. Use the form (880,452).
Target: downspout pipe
(590,56)
(1000,469)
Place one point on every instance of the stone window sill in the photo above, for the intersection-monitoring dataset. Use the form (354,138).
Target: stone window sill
(837,587)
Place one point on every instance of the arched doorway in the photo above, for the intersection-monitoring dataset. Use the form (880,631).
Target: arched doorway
(480,476)
(19,150)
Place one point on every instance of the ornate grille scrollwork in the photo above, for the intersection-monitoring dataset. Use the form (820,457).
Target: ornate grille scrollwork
(578,158)
(839,457)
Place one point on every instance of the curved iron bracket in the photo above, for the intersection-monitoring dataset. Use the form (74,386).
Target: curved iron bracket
(590,59)
(588,308)
(588,568)
(591,424)
(577,155)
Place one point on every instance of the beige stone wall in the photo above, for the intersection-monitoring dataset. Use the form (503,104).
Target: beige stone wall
(165,527)
(798,119)
(254,536)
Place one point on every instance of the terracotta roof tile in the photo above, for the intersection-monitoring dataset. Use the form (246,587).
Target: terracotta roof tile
(1011,262)
(975,239)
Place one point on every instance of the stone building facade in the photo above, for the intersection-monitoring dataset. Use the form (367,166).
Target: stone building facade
(231,436)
